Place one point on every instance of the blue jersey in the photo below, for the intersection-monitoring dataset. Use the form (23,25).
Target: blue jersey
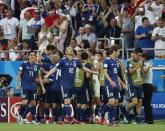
(29,75)
(56,80)
(68,69)
(47,66)
(112,67)
(45,58)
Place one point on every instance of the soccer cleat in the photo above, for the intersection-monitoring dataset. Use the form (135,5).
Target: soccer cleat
(113,124)
(24,121)
(62,123)
(73,122)
(33,122)
(47,122)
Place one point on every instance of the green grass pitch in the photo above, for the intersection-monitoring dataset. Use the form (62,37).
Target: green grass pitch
(158,126)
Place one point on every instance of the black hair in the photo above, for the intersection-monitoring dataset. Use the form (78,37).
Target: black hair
(84,56)
(144,18)
(138,50)
(146,55)
(50,47)
(108,52)
(32,51)
(60,54)
(100,53)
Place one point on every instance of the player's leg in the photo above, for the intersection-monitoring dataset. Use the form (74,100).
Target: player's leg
(33,106)
(78,108)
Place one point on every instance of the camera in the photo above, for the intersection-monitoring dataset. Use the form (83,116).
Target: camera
(3,83)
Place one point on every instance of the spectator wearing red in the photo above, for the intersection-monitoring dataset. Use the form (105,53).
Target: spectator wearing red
(51,18)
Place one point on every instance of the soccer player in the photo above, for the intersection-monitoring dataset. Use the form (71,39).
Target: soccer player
(136,71)
(68,68)
(111,66)
(28,72)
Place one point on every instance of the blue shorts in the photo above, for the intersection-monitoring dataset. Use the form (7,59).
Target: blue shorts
(113,92)
(48,96)
(67,92)
(56,96)
(29,95)
(103,94)
(136,91)
(41,98)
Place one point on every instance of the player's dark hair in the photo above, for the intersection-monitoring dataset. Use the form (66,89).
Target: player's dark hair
(84,56)
(138,50)
(100,53)
(114,47)
(144,18)
(50,47)
(60,54)
(146,55)
(107,50)
(92,51)
(32,51)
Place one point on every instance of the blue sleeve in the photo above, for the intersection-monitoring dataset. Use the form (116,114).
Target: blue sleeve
(21,68)
(105,64)
(59,65)
(137,32)
(88,65)
(129,65)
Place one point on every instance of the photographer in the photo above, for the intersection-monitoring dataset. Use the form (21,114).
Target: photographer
(5,91)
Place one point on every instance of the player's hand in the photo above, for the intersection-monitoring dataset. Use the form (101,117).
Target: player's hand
(124,86)
(150,65)
(140,63)
(113,84)
(163,76)
(43,91)
(46,76)
(17,87)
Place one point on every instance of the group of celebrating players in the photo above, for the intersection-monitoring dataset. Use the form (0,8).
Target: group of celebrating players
(92,83)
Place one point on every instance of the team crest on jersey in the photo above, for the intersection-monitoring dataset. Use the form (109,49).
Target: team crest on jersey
(35,68)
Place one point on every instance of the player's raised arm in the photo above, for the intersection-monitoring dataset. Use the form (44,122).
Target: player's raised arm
(18,79)
(90,71)
(51,72)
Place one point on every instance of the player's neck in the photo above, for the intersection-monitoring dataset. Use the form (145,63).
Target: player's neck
(31,62)
(113,57)
(69,57)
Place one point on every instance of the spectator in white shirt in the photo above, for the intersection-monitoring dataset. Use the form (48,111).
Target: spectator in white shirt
(91,37)
(9,25)
(156,7)
(158,36)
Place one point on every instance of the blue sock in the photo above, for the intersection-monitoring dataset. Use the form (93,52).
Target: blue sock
(54,112)
(28,109)
(117,113)
(68,111)
(33,111)
(104,110)
(138,118)
(59,113)
(82,114)
(78,114)
(22,110)
(111,113)
(63,114)
(42,118)
(47,112)
(87,114)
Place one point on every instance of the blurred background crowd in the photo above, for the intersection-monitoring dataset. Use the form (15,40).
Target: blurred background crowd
(33,24)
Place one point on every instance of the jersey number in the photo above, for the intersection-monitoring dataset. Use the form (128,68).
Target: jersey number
(30,73)
(71,70)
(115,70)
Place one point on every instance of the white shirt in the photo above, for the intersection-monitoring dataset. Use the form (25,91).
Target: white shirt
(149,75)
(91,38)
(10,27)
(36,23)
(157,10)
(159,44)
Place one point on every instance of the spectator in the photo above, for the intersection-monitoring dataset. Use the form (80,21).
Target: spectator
(51,18)
(143,34)
(91,37)
(44,37)
(9,26)
(90,11)
(63,33)
(73,44)
(80,37)
(102,12)
(23,28)
(127,6)
(57,5)
(158,36)
(35,23)
(3,11)
(156,7)
(127,29)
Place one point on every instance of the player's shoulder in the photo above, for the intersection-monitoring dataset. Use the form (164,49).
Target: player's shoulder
(25,63)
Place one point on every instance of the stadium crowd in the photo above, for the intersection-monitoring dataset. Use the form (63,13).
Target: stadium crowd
(57,27)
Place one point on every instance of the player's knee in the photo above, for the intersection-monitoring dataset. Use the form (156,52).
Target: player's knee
(67,101)
(25,102)
(134,101)
(78,105)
